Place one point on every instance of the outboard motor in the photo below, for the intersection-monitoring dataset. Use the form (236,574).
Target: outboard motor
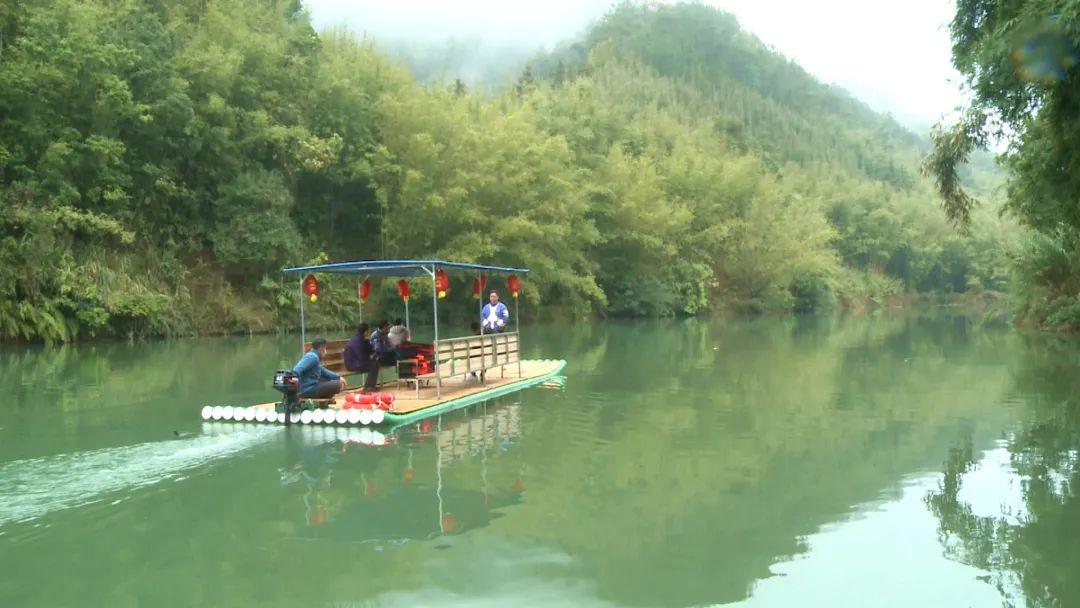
(288,384)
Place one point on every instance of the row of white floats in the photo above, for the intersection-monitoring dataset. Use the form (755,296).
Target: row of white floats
(317,434)
(321,416)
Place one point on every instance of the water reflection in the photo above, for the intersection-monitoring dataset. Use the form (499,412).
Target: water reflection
(83,397)
(354,487)
(764,461)
(1030,545)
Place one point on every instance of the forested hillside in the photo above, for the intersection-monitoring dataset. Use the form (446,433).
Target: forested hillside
(161,161)
(1019,59)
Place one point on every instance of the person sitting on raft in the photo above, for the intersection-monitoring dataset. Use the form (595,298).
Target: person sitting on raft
(317,382)
(380,339)
(399,334)
(359,356)
(494,316)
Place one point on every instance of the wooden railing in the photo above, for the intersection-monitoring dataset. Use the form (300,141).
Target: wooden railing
(473,354)
(470,355)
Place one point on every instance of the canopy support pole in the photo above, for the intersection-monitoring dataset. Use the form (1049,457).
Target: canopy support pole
(303,334)
(359,297)
(435,309)
(480,314)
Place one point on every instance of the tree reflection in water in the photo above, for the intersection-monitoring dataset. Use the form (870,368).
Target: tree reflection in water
(1033,556)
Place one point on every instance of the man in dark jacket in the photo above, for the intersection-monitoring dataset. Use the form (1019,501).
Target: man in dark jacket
(384,348)
(359,356)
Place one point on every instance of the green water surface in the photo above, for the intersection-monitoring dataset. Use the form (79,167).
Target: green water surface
(915,461)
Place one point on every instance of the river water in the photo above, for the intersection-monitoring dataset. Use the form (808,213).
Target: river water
(875,461)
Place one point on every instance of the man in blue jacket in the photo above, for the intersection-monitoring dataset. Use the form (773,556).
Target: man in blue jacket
(317,382)
(494,316)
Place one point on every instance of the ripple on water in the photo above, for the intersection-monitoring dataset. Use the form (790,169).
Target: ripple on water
(38,486)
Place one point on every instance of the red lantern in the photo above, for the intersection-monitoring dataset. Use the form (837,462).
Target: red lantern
(311,287)
(478,286)
(442,283)
(365,291)
(403,290)
(513,285)
(318,516)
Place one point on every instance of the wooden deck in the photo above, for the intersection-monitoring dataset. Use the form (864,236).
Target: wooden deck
(405,401)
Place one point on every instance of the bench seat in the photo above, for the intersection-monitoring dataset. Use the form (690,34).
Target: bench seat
(335,358)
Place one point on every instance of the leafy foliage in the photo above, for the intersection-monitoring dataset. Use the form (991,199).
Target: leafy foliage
(1019,59)
(173,156)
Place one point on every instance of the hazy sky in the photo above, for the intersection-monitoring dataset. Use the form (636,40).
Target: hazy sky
(895,56)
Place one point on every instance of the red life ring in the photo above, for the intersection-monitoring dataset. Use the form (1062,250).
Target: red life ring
(366,401)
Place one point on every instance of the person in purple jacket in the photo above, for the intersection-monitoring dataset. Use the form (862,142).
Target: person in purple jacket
(359,356)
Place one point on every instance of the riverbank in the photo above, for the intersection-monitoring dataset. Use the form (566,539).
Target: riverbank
(226,314)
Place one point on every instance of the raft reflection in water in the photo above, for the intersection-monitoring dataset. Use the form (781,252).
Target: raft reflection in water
(439,477)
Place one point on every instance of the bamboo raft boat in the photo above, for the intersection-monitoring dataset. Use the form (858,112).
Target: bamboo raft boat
(455,394)
(462,371)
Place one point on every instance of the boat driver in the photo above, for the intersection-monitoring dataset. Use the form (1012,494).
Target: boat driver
(317,382)
(494,315)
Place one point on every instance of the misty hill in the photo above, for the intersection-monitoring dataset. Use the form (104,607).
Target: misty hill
(754,94)
(780,106)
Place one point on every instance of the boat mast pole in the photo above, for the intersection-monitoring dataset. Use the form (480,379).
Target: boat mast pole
(480,314)
(303,339)
(435,308)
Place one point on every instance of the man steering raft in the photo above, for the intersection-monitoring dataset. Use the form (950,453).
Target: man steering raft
(317,382)
(494,315)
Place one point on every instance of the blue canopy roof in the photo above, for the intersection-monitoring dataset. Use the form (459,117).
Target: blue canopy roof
(397,268)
